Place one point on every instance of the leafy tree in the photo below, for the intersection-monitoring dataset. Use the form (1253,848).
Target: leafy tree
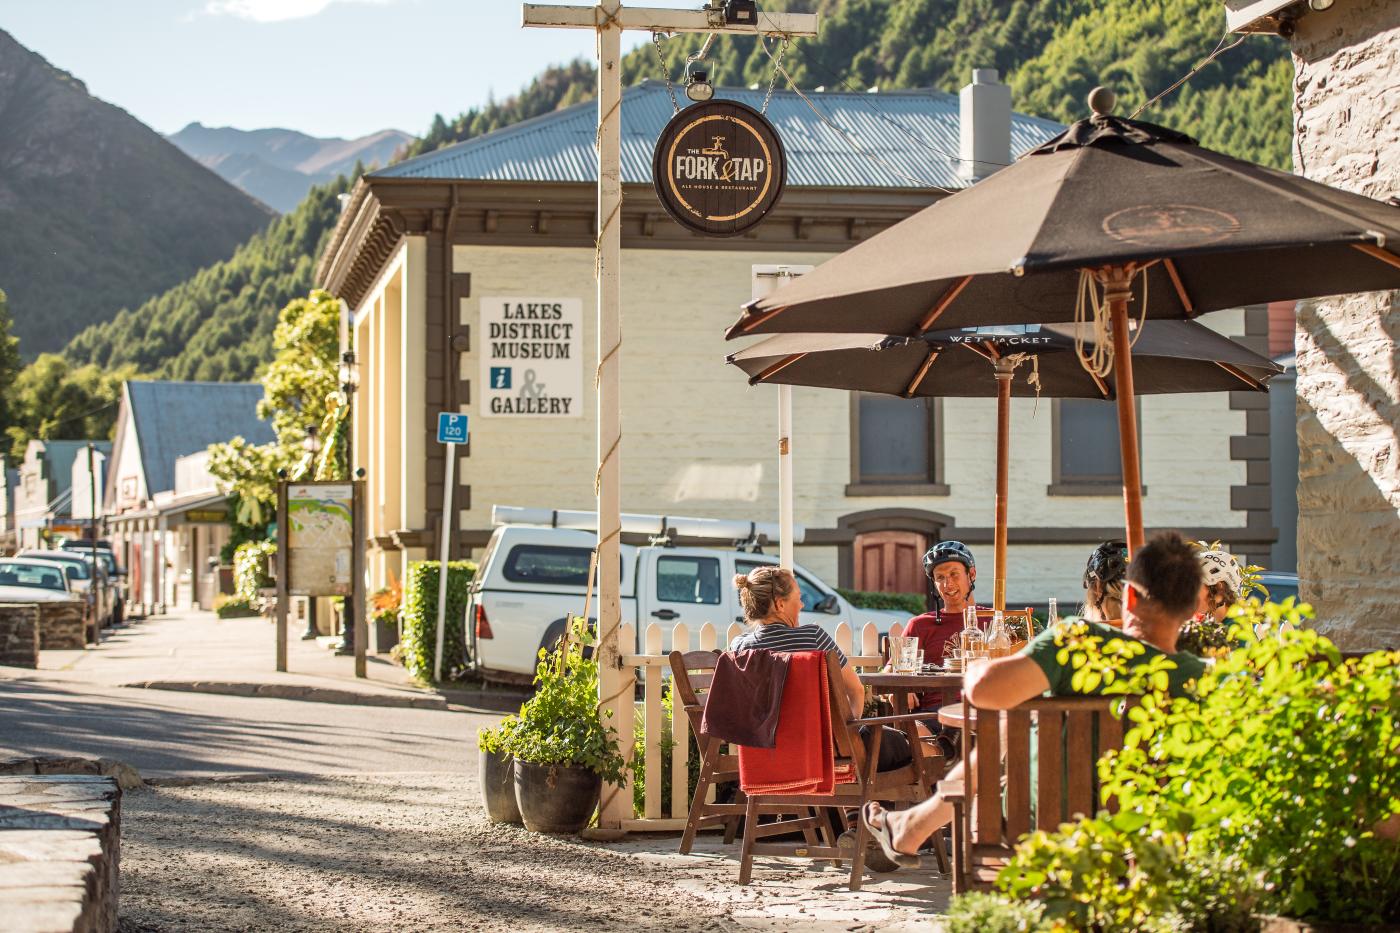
(53,400)
(10,363)
(299,389)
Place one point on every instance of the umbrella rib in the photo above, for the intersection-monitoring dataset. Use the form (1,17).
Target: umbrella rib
(1180,288)
(777,367)
(913,386)
(1254,384)
(953,291)
(980,352)
(759,319)
(1376,252)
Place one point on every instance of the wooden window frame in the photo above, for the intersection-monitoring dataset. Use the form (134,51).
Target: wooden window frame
(935,486)
(1061,485)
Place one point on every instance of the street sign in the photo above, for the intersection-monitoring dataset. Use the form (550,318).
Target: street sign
(452,428)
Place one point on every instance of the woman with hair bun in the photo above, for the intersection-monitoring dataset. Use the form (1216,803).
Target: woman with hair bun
(772,607)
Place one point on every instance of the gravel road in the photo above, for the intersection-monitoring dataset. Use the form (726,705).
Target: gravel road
(414,851)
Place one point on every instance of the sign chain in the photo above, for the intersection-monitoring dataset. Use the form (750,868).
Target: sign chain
(777,64)
(665,70)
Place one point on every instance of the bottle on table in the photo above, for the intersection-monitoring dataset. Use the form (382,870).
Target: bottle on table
(974,643)
(1053,612)
(998,638)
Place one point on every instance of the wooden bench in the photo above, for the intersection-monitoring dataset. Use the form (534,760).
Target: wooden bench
(992,805)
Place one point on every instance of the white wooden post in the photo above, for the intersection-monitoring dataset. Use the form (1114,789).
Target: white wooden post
(608,18)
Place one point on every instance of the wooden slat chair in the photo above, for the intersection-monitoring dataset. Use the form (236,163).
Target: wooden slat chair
(992,804)
(907,784)
(692,673)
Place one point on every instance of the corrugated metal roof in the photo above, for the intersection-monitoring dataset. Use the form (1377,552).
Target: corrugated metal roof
(174,419)
(899,139)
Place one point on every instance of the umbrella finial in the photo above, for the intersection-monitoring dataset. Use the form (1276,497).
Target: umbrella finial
(1102,100)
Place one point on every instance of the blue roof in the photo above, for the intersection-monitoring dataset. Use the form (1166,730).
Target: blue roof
(176,419)
(899,139)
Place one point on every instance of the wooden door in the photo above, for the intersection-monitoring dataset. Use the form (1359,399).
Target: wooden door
(890,562)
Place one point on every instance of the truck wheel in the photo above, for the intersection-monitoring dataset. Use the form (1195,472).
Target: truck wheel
(555,633)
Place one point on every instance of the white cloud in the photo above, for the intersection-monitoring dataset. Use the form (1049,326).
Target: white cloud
(275,11)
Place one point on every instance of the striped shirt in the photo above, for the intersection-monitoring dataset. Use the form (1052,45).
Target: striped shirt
(778,637)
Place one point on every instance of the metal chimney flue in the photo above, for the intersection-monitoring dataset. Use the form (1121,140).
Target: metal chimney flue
(984,125)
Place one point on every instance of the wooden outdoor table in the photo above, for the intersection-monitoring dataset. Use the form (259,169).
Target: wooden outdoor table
(951,715)
(899,686)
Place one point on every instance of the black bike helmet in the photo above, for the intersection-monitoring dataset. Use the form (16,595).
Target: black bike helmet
(944,551)
(1108,564)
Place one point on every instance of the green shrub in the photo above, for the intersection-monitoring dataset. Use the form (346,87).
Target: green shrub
(560,724)
(250,570)
(232,606)
(1263,793)
(419,637)
(496,739)
(992,913)
(912,603)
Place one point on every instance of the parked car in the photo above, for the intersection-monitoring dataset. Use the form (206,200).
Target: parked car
(34,581)
(1280,585)
(115,579)
(81,575)
(532,577)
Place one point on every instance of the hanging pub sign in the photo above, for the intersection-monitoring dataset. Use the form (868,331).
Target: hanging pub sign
(719,167)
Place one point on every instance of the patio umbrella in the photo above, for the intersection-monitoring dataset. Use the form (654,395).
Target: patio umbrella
(1070,228)
(1169,357)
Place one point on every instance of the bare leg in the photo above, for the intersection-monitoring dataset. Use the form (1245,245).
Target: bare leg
(909,829)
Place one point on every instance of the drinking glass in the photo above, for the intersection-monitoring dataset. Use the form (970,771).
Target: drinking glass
(908,656)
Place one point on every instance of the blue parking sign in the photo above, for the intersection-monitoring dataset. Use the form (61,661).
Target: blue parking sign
(500,377)
(452,428)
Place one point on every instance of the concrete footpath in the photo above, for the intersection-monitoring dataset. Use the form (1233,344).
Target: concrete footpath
(198,652)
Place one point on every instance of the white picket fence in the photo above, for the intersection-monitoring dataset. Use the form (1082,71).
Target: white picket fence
(653,668)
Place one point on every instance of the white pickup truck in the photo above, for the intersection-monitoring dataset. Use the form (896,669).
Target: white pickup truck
(532,577)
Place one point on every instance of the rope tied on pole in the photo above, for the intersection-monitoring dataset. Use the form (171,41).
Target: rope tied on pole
(1091,314)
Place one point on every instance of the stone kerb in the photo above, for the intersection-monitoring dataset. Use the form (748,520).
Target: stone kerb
(62,627)
(19,635)
(60,849)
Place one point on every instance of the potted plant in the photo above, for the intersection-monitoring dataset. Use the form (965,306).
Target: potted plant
(497,772)
(385,604)
(562,748)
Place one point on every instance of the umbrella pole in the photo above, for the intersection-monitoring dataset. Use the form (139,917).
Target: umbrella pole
(785,476)
(1118,290)
(1003,480)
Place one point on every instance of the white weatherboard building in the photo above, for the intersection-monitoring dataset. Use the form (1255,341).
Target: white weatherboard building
(436,254)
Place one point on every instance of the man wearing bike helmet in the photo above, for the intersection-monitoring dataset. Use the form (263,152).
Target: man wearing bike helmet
(1103,583)
(952,570)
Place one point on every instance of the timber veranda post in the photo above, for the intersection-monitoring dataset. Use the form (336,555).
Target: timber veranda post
(608,18)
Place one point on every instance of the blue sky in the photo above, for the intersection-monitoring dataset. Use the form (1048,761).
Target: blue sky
(326,67)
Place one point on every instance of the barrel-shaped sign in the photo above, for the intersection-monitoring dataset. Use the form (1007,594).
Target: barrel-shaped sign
(719,167)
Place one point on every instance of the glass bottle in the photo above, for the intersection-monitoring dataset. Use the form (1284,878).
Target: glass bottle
(998,638)
(974,643)
(1053,612)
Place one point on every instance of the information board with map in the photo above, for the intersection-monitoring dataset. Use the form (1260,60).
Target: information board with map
(320,539)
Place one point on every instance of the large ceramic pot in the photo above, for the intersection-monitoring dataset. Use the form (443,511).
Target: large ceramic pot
(556,798)
(497,770)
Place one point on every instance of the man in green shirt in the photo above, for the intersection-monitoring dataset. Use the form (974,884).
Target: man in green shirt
(1162,590)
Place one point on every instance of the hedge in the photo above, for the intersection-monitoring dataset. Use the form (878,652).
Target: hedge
(228,606)
(912,603)
(419,640)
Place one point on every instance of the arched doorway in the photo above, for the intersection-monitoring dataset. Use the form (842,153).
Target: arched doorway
(890,561)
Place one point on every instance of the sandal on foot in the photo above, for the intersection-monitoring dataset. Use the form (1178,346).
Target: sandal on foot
(882,835)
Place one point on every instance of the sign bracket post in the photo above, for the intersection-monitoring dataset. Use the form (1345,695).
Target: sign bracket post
(608,19)
(453,429)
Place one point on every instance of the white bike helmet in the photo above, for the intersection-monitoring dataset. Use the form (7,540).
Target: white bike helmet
(1221,567)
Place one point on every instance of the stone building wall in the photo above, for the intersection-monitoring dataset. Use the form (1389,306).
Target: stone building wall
(1347,134)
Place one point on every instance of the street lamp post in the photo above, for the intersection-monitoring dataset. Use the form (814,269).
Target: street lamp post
(312,445)
(349,381)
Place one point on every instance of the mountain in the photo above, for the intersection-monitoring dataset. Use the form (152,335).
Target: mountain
(278,167)
(218,324)
(97,211)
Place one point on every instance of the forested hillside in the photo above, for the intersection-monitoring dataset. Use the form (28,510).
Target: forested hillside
(97,210)
(218,325)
